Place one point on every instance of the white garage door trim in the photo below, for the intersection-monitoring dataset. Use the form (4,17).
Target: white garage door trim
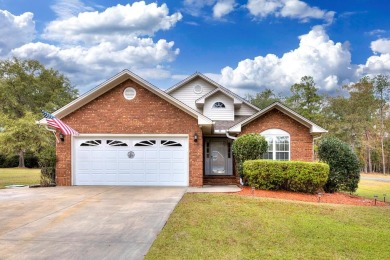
(76,139)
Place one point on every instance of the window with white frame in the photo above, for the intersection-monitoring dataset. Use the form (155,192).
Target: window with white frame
(278,144)
(219,105)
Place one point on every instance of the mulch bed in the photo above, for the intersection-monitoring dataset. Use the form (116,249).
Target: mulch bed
(335,198)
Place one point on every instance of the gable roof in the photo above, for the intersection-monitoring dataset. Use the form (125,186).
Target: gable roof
(314,129)
(200,101)
(115,81)
(219,87)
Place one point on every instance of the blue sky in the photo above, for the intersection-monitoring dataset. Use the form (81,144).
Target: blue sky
(246,46)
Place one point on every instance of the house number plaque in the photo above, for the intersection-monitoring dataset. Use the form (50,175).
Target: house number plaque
(131,154)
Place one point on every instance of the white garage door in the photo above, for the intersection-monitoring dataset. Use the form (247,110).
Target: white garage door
(151,161)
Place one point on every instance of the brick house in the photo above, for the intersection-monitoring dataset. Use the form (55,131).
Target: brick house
(133,133)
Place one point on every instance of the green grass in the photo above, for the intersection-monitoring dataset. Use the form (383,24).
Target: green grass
(369,188)
(222,226)
(25,176)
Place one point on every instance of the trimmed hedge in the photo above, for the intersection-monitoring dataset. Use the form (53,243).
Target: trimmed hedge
(248,147)
(286,175)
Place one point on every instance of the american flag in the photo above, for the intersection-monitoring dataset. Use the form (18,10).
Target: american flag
(57,123)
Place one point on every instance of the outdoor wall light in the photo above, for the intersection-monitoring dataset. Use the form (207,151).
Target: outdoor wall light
(62,137)
(195,137)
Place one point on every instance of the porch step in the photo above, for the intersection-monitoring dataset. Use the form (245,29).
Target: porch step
(220,180)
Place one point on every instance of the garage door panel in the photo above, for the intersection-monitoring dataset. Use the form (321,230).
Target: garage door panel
(154,161)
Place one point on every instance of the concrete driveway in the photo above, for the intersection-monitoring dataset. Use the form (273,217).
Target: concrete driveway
(83,222)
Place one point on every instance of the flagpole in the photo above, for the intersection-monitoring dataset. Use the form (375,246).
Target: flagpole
(54,132)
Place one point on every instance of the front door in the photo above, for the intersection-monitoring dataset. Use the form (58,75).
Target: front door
(218,157)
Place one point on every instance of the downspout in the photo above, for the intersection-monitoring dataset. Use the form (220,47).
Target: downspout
(233,138)
(229,136)
(314,139)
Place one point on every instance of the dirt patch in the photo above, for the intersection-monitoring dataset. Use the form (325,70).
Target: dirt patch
(335,198)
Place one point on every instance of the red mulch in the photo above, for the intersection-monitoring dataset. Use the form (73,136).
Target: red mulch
(335,198)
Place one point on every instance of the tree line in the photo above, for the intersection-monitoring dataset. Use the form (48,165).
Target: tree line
(359,115)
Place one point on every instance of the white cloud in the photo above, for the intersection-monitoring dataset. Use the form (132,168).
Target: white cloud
(295,9)
(381,46)
(194,7)
(329,63)
(136,19)
(222,8)
(15,30)
(98,45)
(102,60)
(263,8)
(68,8)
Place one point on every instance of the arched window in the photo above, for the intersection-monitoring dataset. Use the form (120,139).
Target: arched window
(219,105)
(278,144)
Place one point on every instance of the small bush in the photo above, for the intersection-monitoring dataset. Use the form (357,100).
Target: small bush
(47,163)
(248,147)
(286,175)
(344,165)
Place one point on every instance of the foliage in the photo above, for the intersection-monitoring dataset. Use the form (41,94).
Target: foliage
(11,161)
(305,100)
(47,163)
(248,147)
(286,175)
(222,226)
(382,90)
(22,135)
(264,99)
(27,86)
(344,165)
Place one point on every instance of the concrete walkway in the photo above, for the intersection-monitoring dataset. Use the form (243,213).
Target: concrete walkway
(376,178)
(83,222)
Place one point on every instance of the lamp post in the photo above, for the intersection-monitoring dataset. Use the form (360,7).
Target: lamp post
(319,194)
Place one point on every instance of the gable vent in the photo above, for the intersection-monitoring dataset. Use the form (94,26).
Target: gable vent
(129,93)
(198,89)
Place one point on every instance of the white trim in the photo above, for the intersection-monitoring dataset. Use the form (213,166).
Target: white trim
(218,86)
(73,148)
(276,132)
(128,97)
(131,135)
(314,129)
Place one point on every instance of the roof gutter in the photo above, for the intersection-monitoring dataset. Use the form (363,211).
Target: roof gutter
(229,136)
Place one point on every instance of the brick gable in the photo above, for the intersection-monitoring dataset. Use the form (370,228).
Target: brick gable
(147,113)
(301,140)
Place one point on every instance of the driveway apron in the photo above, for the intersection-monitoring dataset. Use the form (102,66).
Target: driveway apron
(83,222)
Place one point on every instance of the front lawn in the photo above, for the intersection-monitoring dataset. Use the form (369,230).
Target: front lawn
(223,226)
(369,188)
(23,176)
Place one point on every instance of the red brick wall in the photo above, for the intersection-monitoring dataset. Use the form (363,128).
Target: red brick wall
(147,113)
(301,148)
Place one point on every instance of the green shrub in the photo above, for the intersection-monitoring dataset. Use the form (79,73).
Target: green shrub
(286,175)
(47,163)
(344,165)
(248,147)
